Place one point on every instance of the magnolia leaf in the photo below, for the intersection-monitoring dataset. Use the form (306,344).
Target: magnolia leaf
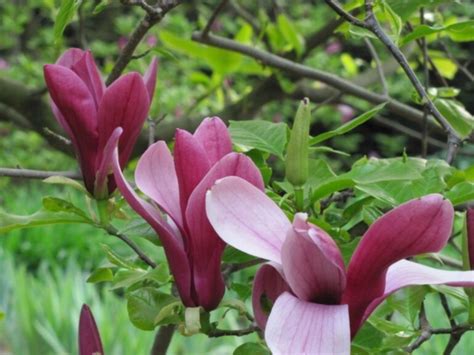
(101,274)
(116,259)
(251,348)
(62,180)
(145,304)
(347,127)
(461,193)
(55,204)
(66,13)
(9,222)
(460,119)
(125,278)
(262,135)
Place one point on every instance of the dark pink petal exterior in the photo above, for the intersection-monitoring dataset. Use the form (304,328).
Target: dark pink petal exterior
(214,137)
(204,244)
(171,240)
(268,285)
(79,112)
(418,226)
(89,337)
(191,163)
(150,77)
(470,236)
(299,327)
(86,69)
(311,267)
(406,273)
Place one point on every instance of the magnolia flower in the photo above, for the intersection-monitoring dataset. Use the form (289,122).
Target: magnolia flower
(178,186)
(89,337)
(469,253)
(89,112)
(318,303)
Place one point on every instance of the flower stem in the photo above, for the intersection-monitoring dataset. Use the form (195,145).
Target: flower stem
(299,198)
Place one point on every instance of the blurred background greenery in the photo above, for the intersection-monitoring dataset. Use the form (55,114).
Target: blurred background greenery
(43,271)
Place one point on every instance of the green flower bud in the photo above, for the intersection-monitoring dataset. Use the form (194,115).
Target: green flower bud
(296,161)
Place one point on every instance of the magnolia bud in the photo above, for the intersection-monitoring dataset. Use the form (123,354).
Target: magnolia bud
(297,151)
(468,245)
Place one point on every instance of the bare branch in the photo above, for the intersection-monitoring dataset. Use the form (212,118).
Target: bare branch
(38,174)
(378,65)
(344,14)
(153,16)
(213,17)
(222,333)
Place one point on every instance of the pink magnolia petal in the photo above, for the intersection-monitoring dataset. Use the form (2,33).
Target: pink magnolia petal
(77,109)
(87,70)
(191,163)
(268,285)
(156,177)
(149,78)
(172,243)
(70,57)
(204,244)
(244,217)
(470,236)
(313,270)
(299,327)
(406,273)
(418,226)
(125,104)
(213,135)
(89,337)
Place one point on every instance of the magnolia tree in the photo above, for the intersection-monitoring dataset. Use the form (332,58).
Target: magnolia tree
(250,222)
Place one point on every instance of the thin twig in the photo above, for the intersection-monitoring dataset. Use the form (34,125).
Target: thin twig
(241,332)
(38,174)
(461,67)
(152,17)
(371,23)
(115,232)
(426,334)
(378,65)
(213,17)
(231,268)
(56,136)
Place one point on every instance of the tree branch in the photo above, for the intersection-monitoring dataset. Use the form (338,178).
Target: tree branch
(213,17)
(303,71)
(38,174)
(162,340)
(238,333)
(153,16)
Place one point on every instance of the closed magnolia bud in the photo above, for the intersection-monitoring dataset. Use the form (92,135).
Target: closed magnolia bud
(297,152)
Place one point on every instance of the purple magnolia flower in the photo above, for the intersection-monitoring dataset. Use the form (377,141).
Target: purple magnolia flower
(317,302)
(89,337)
(89,112)
(178,186)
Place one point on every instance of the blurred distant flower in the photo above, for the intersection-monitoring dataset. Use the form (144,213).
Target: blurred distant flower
(333,47)
(4,64)
(151,41)
(89,112)
(122,41)
(346,111)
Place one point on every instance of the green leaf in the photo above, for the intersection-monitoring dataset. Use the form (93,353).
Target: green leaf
(243,290)
(55,204)
(461,193)
(62,180)
(368,337)
(262,135)
(460,119)
(116,259)
(289,33)
(159,274)
(145,304)
(169,314)
(101,274)
(235,256)
(407,8)
(101,6)
(2,315)
(459,32)
(9,222)
(64,16)
(125,278)
(395,21)
(251,348)
(347,127)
